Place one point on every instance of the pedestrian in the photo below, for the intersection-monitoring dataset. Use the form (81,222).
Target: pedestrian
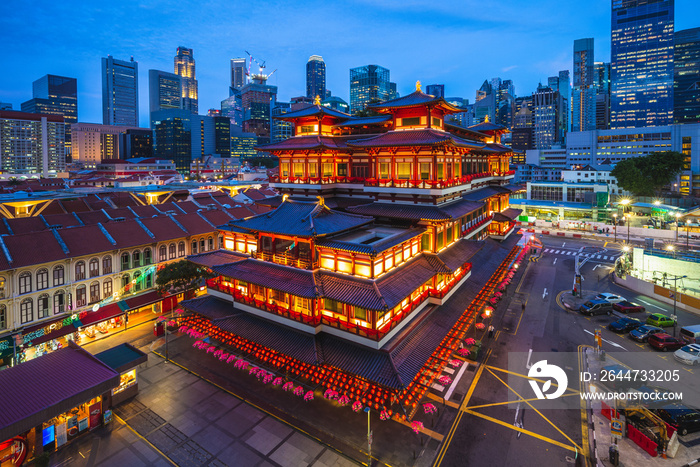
(491,329)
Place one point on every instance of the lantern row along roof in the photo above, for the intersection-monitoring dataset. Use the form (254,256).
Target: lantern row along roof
(378,294)
(398,362)
(417,212)
(302,219)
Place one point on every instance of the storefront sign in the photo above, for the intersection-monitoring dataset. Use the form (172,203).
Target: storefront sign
(6,347)
(61,435)
(82,424)
(48,436)
(72,427)
(53,327)
(108,416)
(95,414)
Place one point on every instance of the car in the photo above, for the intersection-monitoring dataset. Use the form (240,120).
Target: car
(681,417)
(624,325)
(662,321)
(665,342)
(609,297)
(689,354)
(642,333)
(626,306)
(596,307)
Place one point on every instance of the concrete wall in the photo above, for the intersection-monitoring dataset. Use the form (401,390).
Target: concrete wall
(648,288)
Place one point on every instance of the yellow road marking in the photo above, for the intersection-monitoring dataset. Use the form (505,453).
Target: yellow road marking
(522,312)
(498,333)
(432,396)
(522,430)
(533,408)
(522,278)
(143,439)
(584,412)
(494,404)
(490,367)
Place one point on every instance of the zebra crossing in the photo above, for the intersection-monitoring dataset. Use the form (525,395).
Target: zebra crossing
(592,256)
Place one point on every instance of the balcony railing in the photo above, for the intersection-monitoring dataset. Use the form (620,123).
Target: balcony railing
(286,258)
(315,180)
(478,224)
(432,184)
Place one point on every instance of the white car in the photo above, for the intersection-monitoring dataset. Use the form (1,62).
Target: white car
(690,354)
(610,297)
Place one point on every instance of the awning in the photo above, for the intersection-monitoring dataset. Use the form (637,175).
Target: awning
(147,298)
(122,357)
(49,330)
(104,313)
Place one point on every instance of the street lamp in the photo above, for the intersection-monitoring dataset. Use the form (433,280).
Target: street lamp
(670,248)
(675,294)
(369,439)
(629,221)
(615,227)
(678,215)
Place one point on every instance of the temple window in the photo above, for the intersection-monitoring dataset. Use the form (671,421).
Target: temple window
(425,242)
(301,304)
(437,122)
(278,297)
(306,129)
(360,170)
(384,170)
(425,171)
(298,169)
(284,169)
(440,171)
(332,305)
(312,169)
(243,287)
(343,170)
(382,318)
(327,169)
(403,170)
(360,313)
(257,291)
(410,121)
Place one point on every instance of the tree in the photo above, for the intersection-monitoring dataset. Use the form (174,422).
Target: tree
(367,111)
(648,175)
(180,276)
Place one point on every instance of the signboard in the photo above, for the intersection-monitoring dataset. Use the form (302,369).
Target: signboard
(61,435)
(48,436)
(72,427)
(108,416)
(616,428)
(7,347)
(95,414)
(83,424)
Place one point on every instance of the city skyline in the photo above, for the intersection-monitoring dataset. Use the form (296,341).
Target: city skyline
(392,24)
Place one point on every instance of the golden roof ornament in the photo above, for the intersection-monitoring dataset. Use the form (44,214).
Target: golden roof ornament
(418,85)
(486,118)
(317,100)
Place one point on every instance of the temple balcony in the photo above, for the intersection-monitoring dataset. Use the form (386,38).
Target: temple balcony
(472,230)
(286,259)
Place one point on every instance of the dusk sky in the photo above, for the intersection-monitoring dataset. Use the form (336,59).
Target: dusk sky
(457,43)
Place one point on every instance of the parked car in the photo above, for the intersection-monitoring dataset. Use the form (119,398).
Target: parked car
(596,307)
(642,333)
(609,297)
(624,325)
(689,354)
(657,319)
(691,334)
(628,307)
(664,342)
(681,417)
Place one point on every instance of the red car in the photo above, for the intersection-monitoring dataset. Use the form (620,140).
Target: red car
(627,307)
(665,342)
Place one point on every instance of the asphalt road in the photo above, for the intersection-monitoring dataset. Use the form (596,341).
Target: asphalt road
(494,432)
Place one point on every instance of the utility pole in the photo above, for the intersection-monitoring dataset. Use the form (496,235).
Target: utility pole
(675,298)
(369,440)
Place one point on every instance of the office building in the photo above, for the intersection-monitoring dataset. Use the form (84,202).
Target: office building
(641,63)
(281,129)
(686,76)
(336,103)
(232,107)
(485,103)
(601,76)
(120,92)
(562,84)
(184,67)
(239,73)
(549,118)
(214,137)
(315,77)
(368,84)
(5,106)
(94,143)
(136,143)
(504,99)
(32,143)
(55,95)
(437,90)
(164,91)
(176,133)
(258,99)
(583,101)
(243,143)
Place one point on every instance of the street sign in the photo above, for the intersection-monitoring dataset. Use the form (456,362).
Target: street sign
(674,317)
(616,428)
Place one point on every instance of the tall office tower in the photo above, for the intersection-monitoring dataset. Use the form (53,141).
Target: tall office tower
(393,93)
(336,103)
(686,76)
(258,100)
(55,95)
(136,143)
(523,124)
(562,84)
(316,77)
(164,91)
(642,63)
(281,129)
(32,143)
(583,98)
(437,90)
(239,74)
(548,117)
(368,84)
(485,103)
(184,66)
(211,136)
(120,92)
(504,99)
(176,131)
(232,107)
(242,143)
(601,78)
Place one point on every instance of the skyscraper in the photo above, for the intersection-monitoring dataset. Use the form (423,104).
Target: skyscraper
(31,143)
(642,63)
(164,91)
(258,99)
(368,84)
(437,90)
(686,76)
(601,77)
(549,117)
(184,67)
(55,95)
(177,136)
(316,77)
(583,99)
(238,73)
(120,92)
(562,84)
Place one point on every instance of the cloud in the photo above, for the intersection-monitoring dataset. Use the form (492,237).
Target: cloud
(509,68)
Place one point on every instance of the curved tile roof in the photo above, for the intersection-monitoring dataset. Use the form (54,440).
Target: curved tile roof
(417,212)
(415,99)
(294,281)
(312,111)
(422,137)
(359,121)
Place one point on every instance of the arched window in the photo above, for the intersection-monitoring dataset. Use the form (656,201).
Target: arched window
(221,241)
(94,292)
(125,281)
(59,301)
(26,310)
(25,282)
(80,270)
(147,258)
(194,247)
(107,265)
(171,251)
(139,282)
(42,279)
(125,261)
(94,267)
(149,281)
(136,258)
(181,249)
(210,243)
(2,287)
(42,306)
(201,246)
(107,288)
(81,296)
(59,276)
(162,253)
(3,316)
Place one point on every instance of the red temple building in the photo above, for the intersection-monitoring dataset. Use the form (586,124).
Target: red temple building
(381,220)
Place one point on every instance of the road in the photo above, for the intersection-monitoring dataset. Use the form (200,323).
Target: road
(502,433)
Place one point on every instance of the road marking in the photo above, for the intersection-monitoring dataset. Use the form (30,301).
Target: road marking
(502,370)
(651,304)
(555,261)
(529,355)
(548,250)
(496,404)
(569,252)
(605,340)
(562,245)
(439,399)
(544,294)
(449,392)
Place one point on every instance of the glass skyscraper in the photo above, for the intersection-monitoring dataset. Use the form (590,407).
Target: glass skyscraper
(368,84)
(686,76)
(316,77)
(641,63)
(583,102)
(120,92)
(164,91)
(184,67)
(55,95)
(239,73)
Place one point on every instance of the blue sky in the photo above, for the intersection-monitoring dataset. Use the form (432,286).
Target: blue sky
(458,43)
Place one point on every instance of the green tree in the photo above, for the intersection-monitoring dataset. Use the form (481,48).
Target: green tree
(369,112)
(648,175)
(180,276)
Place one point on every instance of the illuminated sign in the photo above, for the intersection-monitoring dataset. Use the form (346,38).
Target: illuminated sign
(55,326)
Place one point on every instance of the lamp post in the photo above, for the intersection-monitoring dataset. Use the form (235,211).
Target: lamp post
(629,221)
(615,227)
(675,294)
(369,439)
(657,203)
(678,215)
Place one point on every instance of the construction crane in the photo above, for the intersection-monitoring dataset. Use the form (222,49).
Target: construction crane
(260,77)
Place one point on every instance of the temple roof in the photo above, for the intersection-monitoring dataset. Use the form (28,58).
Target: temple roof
(507,215)
(488,127)
(312,111)
(302,219)
(417,212)
(307,142)
(360,121)
(374,248)
(453,127)
(216,258)
(416,99)
(498,147)
(422,137)
(484,193)
(299,282)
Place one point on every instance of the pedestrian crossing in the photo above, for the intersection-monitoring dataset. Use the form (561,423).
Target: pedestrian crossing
(592,256)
